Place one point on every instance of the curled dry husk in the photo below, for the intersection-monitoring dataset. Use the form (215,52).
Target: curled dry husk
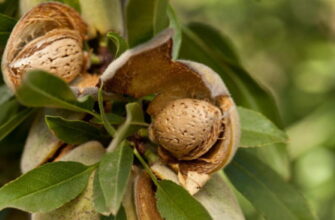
(149,69)
(48,37)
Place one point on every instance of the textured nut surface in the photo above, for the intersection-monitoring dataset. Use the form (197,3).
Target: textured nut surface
(59,52)
(48,37)
(187,128)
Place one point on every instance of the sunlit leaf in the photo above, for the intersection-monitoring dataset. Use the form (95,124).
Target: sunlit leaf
(113,174)
(177,27)
(45,188)
(145,20)
(174,202)
(119,42)
(257,130)
(219,199)
(103,16)
(41,89)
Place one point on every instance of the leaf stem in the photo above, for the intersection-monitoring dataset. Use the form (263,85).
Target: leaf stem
(110,129)
(146,167)
(140,124)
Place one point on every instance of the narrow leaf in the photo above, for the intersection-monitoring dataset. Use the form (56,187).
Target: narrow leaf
(75,131)
(8,126)
(160,18)
(41,89)
(103,15)
(114,171)
(72,3)
(134,121)
(177,27)
(6,94)
(9,7)
(110,129)
(266,190)
(7,110)
(219,199)
(112,118)
(257,130)
(3,39)
(45,188)
(145,20)
(174,202)
(119,42)
(6,23)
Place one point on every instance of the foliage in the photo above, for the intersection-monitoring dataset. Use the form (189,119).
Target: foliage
(253,176)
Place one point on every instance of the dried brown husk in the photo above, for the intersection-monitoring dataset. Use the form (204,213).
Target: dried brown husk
(149,69)
(35,25)
(145,201)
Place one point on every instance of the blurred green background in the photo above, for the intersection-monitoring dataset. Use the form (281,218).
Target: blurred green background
(288,46)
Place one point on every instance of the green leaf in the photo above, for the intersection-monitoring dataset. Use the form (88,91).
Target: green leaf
(112,118)
(178,35)
(41,89)
(14,120)
(72,3)
(103,16)
(41,143)
(6,94)
(145,20)
(75,131)
(219,199)
(26,5)
(204,44)
(8,109)
(266,190)
(3,39)
(134,121)
(6,23)
(45,188)
(121,215)
(9,7)
(113,174)
(257,130)
(119,42)
(110,129)
(174,202)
